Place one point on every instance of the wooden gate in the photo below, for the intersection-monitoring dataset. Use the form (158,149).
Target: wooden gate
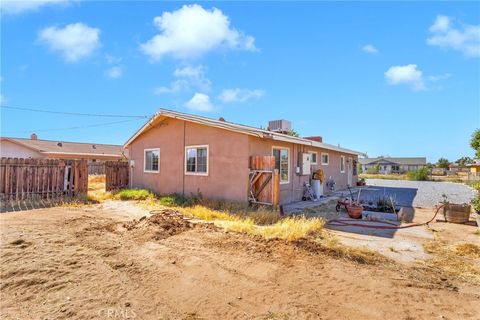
(33,179)
(264,181)
(116,175)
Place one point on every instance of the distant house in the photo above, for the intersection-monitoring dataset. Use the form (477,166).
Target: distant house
(181,153)
(50,149)
(392,165)
(475,167)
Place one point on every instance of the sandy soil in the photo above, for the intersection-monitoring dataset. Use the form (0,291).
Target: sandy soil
(96,263)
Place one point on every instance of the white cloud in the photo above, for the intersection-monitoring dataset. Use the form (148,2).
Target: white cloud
(408,74)
(465,38)
(441,24)
(18,6)
(193,31)
(240,95)
(115,72)
(200,102)
(112,59)
(175,87)
(439,77)
(74,41)
(369,48)
(187,77)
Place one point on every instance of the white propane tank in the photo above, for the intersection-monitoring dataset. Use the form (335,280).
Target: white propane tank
(317,188)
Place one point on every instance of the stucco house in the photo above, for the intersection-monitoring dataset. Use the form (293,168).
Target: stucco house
(49,149)
(181,153)
(392,165)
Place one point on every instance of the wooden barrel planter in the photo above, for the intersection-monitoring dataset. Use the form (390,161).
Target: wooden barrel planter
(457,213)
(354,211)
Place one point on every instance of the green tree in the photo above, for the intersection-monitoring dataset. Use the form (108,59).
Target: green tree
(464,161)
(293,133)
(442,163)
(475,142)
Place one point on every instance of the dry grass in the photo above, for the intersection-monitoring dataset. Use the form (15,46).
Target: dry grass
(261,216)
(330,245)
(289,229)
(262,223)
(461,261)
(96,189)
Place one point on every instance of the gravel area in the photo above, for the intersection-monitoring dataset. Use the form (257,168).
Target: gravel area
(423,194)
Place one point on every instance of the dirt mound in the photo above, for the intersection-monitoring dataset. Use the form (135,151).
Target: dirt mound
(166,223)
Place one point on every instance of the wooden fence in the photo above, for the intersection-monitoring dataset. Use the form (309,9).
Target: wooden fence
(264,181)
(33,179)
(116,175)
(96,168)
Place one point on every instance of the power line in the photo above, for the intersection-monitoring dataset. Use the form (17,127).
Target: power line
(72,128)
(73,113)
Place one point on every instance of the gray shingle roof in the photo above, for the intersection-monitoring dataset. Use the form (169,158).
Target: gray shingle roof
(65,147)
(399,161)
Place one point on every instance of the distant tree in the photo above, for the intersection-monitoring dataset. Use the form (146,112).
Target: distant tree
(293,133)
(442,163)
(429,165)
(464,161)
(475,142)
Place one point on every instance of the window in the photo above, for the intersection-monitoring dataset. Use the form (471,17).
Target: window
(196,160)
(342,164)
(151,160)
(325,158)
(282,163)
(313,156)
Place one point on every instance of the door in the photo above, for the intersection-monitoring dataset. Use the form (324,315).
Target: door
(349,171)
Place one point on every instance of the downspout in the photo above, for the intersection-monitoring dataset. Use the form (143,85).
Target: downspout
(131,169)
(184,156)
(294,174)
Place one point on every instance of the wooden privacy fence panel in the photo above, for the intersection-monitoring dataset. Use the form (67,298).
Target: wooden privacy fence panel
(264,181)
(96,168)
(116,175)
(29,179)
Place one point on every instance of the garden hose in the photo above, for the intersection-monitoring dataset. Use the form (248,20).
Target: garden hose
(388,225)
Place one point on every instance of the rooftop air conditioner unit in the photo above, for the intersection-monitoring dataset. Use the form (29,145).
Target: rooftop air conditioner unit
(280,126)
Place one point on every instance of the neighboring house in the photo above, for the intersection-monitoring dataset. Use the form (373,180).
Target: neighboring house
(392,165)
(181,153)
(455,168)
(475,167)
(48,149)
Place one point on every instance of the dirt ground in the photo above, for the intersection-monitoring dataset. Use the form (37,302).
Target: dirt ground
(97,263)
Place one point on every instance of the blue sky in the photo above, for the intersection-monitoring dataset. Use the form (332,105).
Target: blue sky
(398,79)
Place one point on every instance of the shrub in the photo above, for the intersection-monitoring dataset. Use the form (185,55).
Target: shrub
(177,200)
(418,175)
(134,194)
(476,185)
(374,170)
(476,203)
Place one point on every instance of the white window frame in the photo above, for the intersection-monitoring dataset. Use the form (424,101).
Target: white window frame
(316,157)
(289,169)
(342,161)
(321,159)
(145,160)
(188,173)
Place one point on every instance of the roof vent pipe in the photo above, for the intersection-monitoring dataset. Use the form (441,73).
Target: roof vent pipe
(33,136)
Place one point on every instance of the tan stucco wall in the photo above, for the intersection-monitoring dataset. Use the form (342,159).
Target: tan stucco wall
(293,190)
(12,150)
(228,161)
